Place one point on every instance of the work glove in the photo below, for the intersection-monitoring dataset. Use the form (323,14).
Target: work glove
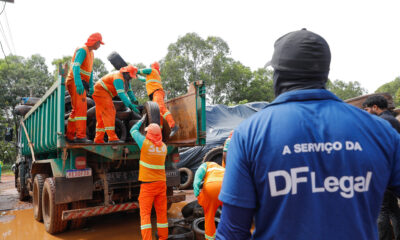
(133,107)
(79,88)
(91,91)
(196,191)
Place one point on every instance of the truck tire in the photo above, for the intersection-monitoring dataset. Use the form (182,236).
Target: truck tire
(153,115)
(22,109)
(116,60)
(80,222)
(51,211)
(37,196)
(186,176)
(124,115)
(214,155)
(119,106)
(23,194)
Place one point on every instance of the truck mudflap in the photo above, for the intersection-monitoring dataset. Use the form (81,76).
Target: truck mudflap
(102,210)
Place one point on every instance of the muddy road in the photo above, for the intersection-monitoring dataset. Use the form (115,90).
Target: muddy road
(17,222)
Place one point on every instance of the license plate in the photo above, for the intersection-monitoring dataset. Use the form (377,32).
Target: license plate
(74,173)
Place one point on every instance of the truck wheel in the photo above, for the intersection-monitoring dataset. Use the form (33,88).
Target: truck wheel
(80,222)
(116,60)
(214,155)
(186,176)
(51,211)
(21,188)
(37,195)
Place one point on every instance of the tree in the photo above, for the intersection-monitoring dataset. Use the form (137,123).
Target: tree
(19,77)
(192,58)
(393,88)
(346,90)
(261,87)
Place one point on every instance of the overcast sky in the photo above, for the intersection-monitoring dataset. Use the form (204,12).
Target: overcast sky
(364,36)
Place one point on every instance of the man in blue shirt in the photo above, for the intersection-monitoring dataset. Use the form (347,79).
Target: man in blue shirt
(308,166)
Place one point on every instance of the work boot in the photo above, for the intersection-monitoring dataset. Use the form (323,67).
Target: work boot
(82,140)
(173,131)
(116,141)
(70,140)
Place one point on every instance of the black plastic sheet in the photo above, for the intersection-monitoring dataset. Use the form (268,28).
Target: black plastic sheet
(220,120)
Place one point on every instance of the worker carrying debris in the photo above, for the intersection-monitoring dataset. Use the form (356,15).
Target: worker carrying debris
(109,86)
(153,188)
(156,92)
(81,73)
(210,176)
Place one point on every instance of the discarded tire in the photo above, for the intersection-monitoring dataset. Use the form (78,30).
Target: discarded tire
(153,115)
(51,211)
(119,106)
(186,176)
(188,210)
(22,109)
(91,113)
(179,233)
(38,183)
(90,102)
(214,155)
(198,227)
(125,115)
(166,130)
(116,60)
(120,130)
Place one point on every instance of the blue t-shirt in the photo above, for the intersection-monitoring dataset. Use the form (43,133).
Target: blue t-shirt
(312,167)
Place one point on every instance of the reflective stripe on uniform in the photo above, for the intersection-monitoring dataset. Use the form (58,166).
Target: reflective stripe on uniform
(152,166)
(120,91)
(85,72)
(133,131)
(105,88)
(162,225)
(215,168)
(77,64)
(109,128)
(146,226)
(153,80)
(100,130)
(80,118)
(71,119)
(209,238)
(166,114)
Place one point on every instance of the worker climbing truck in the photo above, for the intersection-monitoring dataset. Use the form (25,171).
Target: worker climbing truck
(70,182)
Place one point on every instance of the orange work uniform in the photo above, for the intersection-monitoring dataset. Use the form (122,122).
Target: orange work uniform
(104,91)
(77,118)
(154,86)
(208,197)
(153,189)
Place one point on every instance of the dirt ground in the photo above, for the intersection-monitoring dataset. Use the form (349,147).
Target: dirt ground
(17,222)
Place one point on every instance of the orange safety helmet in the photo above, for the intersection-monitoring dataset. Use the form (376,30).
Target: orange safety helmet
(130,69)
(156,66)
(93,39)
(154,134)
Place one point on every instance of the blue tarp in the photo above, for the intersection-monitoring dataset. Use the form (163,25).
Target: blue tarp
(220,120)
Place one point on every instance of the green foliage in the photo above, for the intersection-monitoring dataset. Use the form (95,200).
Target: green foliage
(19,77)
(393,88)
(346,90)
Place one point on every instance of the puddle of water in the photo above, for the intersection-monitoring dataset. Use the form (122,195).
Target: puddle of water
(20,225)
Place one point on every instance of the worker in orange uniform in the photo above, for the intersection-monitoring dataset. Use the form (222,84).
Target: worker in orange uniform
(109,86)
(156,93)
(80,72)
(225,149)
(152,175)
(210,175)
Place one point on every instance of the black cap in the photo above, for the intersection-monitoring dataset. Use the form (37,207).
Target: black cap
(301,51)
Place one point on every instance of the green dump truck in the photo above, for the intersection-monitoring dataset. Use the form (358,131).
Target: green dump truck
(70,182)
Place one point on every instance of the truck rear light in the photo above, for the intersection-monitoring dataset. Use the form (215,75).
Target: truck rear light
(80,162)
(175,158)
